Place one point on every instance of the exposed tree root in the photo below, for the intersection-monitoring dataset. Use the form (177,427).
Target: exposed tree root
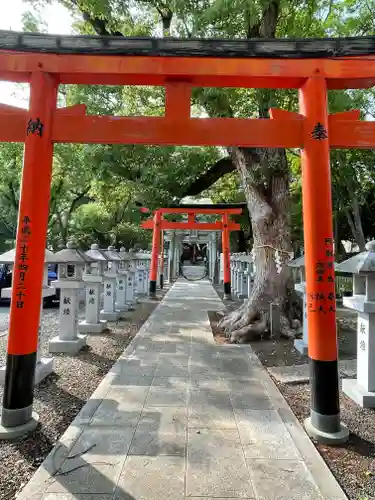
(286,329)
(249,332)
(251,322)
(246,318)
(232,317)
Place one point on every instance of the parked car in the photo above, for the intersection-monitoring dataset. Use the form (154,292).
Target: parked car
(6,282)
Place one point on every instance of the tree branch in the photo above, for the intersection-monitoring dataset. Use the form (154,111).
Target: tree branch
(213,174)
(99,25)
(80,199)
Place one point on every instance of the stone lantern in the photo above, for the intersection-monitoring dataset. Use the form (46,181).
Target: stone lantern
(232,268)
(146,270)
(242,286)
(301,344)
(139,287)
(70,282)
(44,366)
(93,279)
(362,267)
(109,311)
(130,281)
(123,279)
(140,275)
(120,294)
(249,274)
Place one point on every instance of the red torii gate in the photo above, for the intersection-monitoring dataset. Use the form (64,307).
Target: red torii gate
(179,66)
(158,224)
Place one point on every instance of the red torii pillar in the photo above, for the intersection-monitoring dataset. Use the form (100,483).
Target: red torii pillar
(155,253)
(17,416)
(324,421)
(161,278)
(226,257)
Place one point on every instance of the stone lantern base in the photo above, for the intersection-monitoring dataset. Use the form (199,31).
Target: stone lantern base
(354,391)
(301,346)
(67,346)
(109,316)
(44,366)
(42,369)
(86,327)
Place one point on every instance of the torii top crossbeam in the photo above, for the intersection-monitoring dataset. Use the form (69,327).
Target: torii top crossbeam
(180,65)
(278,63)
(191,211)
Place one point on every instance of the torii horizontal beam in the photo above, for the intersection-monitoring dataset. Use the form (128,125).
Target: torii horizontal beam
(199,210)
(200,226)
(285,129)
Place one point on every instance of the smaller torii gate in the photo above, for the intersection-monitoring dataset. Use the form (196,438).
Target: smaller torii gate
(225,225)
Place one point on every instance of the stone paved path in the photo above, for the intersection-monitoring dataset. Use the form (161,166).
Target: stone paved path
(181,417)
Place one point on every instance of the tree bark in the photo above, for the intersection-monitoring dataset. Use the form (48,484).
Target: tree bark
(265,178)
(355,224)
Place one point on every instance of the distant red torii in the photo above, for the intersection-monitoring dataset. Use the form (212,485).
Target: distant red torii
(158,224)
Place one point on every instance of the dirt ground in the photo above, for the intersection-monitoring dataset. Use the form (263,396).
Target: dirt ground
(353,464)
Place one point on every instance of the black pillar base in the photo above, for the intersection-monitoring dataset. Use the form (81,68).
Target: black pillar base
(162,281)
(18,389)
(324,422)
(152,289)
(227,291)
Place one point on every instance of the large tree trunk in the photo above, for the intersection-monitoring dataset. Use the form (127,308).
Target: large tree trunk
(265,178)
(355,224)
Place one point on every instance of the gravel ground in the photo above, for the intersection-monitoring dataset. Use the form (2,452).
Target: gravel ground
(353,464)
(59,398)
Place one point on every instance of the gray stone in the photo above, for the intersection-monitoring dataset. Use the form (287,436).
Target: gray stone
(282,480)
(210,409)
(161,431)
(328,438)
(216,465)
(295,374)
(250,396)
(120,407)
(9,433)
(348,368)
(152,478)
(264,435)
(353,390)
(166,396)
(94,463)
(71,347)
(301,346)
(70,496)
(299,374)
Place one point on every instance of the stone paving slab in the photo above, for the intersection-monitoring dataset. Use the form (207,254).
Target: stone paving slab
(299,374)
(180,417)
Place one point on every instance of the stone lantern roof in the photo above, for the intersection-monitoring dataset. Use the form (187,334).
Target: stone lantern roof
(123,253)
(111,254)
(49,257)
(298,262)
(72,255)
(364,262)
(95,254)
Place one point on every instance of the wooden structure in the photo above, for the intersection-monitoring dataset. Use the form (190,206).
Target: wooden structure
(312,66)
(158,225)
